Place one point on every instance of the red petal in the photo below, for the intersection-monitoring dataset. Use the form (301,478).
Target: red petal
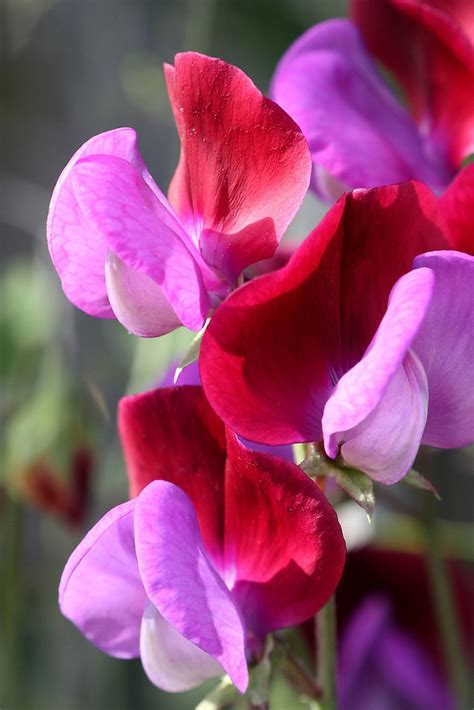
(275,349)
(172,434)
(243,159)
(282,537)
(457,209)
(428,45)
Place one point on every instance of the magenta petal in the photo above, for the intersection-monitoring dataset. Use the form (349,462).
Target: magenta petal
(170,661)
(101,591)
(377,412)
(357,131)
(142,231)
(137,301)
(78,251)
(182,583)
(385,444)
(445,346)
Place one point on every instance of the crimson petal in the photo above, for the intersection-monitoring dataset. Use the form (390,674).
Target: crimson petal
(172,434)
(282,539)
(244,163)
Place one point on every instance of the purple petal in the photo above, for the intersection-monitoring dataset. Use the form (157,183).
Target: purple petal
(377,413)
(78,251)
(180,580)
(170,661)
(381,666)
(101,591)
(445,346)
(357,131)
(142,231)
(137,301)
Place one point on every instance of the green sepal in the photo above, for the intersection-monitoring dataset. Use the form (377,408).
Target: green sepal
(226,695)
(223,696)
(416,480)
(192,353)
(357,484)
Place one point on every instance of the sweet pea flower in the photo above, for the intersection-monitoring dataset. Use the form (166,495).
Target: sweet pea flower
(219,547)
(359,134)
(390,653)
(382,666)
(347,345)
(122,250)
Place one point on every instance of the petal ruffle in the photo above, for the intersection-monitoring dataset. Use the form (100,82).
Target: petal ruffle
(171,661)
(142,231)
(244,163)
(357,131)
(284,548)
(428,45)
(78,251)
(173,434)
(101,591)
(445,346)
(182,583)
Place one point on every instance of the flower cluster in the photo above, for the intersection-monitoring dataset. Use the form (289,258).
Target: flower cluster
(361,344)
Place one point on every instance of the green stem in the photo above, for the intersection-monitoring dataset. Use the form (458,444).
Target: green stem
(446,616)
(326,672)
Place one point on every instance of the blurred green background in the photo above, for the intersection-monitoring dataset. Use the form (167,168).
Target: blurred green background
(71,69)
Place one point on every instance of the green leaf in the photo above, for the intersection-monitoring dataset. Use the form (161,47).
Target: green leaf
(416,480)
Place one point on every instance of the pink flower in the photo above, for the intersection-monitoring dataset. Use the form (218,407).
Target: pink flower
(123,250)
(347,345)
(359,134)
(221,546)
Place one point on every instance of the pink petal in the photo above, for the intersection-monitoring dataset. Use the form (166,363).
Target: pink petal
(172,434)
(141,231)
(77,249)
(182,583)
(244,163)
(445,346)
(139,304)
(357,131)
(385,444)
(101,591)
(426,44)
(170,661)
(377,413)
(284,548)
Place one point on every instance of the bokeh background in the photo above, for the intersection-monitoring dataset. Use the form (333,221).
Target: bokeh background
(71,69)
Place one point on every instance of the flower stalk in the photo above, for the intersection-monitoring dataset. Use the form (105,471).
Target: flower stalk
(446,616)
(327,654)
